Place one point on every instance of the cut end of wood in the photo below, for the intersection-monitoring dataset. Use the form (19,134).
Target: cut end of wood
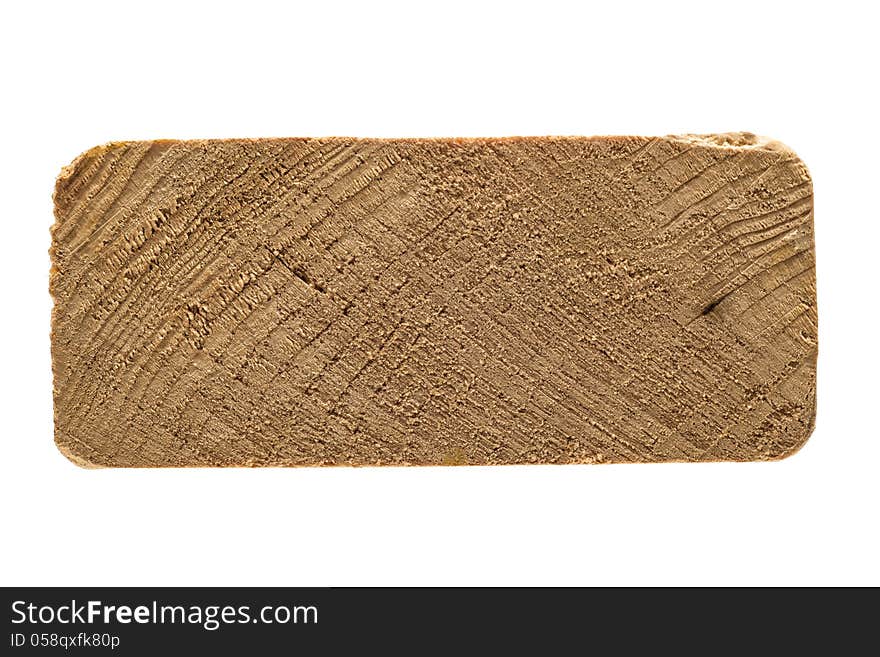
(340,301)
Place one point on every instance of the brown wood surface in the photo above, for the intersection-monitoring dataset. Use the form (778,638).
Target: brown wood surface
(469,301)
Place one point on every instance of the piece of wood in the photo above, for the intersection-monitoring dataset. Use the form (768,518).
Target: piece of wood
(441,301)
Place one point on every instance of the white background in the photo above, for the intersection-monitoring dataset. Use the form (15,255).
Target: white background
(78,74)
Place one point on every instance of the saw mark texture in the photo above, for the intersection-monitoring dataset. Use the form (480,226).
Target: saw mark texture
(440,301)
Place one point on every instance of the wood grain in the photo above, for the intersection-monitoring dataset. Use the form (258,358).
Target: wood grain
(445,301)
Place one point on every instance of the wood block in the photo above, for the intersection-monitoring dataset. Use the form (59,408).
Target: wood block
(283,302)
